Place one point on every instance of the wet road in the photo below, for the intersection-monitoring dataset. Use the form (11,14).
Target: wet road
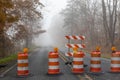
(105,66)
(38,66)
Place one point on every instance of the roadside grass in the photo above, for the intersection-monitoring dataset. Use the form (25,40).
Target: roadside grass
(103,55)
(14,56)
(8,59)
(106,55)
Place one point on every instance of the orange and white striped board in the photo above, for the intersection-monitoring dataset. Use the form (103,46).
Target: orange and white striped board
(69,54)
(22,64)
(73,37)
(53,64)
(69,45)
(75,45)
(95,65)
(115,62)
(78,62)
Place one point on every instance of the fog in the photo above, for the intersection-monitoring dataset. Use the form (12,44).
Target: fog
(52,23)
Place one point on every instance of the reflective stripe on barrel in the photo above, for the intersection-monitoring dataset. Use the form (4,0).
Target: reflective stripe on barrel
(78,62)
(95,65)
(53,63)
(115,62)
(22,64)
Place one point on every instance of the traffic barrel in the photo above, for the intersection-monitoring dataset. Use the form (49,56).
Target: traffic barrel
(22,65)
(53,63)
(115,62)
(95,65)
(78,64)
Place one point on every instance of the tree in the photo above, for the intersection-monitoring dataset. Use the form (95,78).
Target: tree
(6,7)
(110,18)
(71,16)
(81,17)
(17,22)
(30,16)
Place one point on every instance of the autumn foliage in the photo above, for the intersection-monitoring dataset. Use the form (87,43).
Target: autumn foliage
(16,17)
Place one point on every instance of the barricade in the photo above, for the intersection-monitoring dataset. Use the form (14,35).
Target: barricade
(22,65)
(78,62)
(53,63)
(69,45)
(115,62)
(95,62)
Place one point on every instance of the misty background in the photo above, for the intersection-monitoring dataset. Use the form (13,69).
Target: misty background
(45,23)
(53,23)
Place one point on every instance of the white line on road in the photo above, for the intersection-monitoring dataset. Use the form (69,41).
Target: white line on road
(5,72)
(2,75)
(65,59)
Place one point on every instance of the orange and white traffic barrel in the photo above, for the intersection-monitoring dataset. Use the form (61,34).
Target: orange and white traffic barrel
(22,65)
(53,63)
(115,62)
(78,62)
(95,65)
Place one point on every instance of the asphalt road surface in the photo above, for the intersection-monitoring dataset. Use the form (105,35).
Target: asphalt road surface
(38,67)
(105,66)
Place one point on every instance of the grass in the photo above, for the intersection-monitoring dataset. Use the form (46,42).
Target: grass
(103,55)
(108,56)
(8,59)
(13,56)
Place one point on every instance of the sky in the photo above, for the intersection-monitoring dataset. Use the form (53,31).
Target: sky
(52,22)
(52,8)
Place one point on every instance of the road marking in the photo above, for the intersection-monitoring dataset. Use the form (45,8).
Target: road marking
(88,77)
(5,72)
(65,59)
(80,77)
(2,75)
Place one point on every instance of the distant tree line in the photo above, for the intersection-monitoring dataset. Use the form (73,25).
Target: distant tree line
(98,20)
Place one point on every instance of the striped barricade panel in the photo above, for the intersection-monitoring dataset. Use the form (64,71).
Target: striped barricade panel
(69,45)
(75,37)
(69,54)
(75,45)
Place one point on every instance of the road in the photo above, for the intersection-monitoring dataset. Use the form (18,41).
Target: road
(38,66)
(106,74)
(105,65)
